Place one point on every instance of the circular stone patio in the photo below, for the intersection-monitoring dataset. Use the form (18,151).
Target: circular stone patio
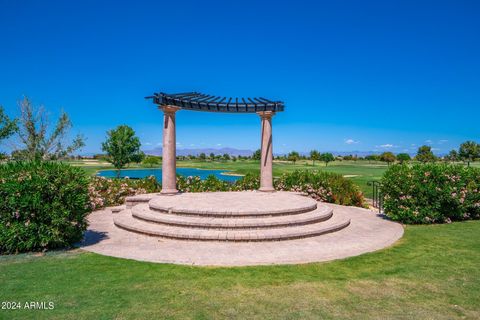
(237,229)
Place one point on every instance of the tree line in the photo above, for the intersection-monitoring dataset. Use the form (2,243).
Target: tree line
(36,140)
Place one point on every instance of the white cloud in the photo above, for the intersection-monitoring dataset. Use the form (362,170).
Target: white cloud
(350,141)
(219,144)
(147,144)
(442,141)
(192,145)
(428,141)
(386,146)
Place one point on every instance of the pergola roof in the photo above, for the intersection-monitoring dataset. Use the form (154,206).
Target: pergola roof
(203,102)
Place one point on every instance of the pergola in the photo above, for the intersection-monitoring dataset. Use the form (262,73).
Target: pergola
(171,103)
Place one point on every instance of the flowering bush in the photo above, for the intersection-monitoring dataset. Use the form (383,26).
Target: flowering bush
(111,192)
(247,182)
(43,205)
(431,193)
(321,186)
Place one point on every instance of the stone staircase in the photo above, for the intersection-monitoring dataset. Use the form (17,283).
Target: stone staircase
(228,216)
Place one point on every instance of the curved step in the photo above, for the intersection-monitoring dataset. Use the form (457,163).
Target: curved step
(143,212)
(233,204)
(126,221)
(132,201)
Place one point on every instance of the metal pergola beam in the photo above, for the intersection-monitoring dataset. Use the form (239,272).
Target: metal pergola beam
(203,102)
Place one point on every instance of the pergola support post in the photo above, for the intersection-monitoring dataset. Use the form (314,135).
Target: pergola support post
(169,158)
(266,164)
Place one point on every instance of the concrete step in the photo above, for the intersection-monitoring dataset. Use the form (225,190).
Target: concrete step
(143,212)
(233,204)
(132,201)
(126,221)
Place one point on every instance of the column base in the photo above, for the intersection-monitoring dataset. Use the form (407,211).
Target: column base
(266,189)
(169,191)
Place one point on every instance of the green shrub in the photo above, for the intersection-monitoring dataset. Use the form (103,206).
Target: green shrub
(247,182)
(112,192)
(195,184)
(431,193)
(322,186)
(43,205)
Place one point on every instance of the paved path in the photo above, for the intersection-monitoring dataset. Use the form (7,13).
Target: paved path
(367,232)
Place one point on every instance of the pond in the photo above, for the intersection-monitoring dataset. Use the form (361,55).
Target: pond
(143,173)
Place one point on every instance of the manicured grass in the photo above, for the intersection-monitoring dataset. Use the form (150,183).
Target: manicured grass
(432,273)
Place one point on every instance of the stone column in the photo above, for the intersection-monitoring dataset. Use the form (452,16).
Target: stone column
(266,175)
(169,160)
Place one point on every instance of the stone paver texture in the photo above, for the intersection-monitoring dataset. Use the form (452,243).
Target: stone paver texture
(367,232)
(234,203)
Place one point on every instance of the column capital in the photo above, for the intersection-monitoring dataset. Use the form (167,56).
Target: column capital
(266,114)
(169,108)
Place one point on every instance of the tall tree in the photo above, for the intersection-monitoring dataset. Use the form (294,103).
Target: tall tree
(151,161)
(314,155)
(388,157)
(138,157)
(121,146)
(372,157)
(37,142)
(327,157)
(425,154)
(452,155)
(469,151)
(293,156)
(403,157)
(7,126)
(257,155)
(202,156)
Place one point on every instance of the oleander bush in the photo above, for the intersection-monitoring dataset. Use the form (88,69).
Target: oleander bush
(112,192)
(247,182)
(431,193)
(322,186)
(195,184)
(43,205)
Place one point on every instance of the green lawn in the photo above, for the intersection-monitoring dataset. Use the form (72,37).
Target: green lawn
(432,273)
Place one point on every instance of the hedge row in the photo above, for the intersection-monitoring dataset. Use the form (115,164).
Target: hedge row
(322,186)
(431,193)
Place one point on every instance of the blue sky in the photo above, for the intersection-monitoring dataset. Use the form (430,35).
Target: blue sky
(354,75)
